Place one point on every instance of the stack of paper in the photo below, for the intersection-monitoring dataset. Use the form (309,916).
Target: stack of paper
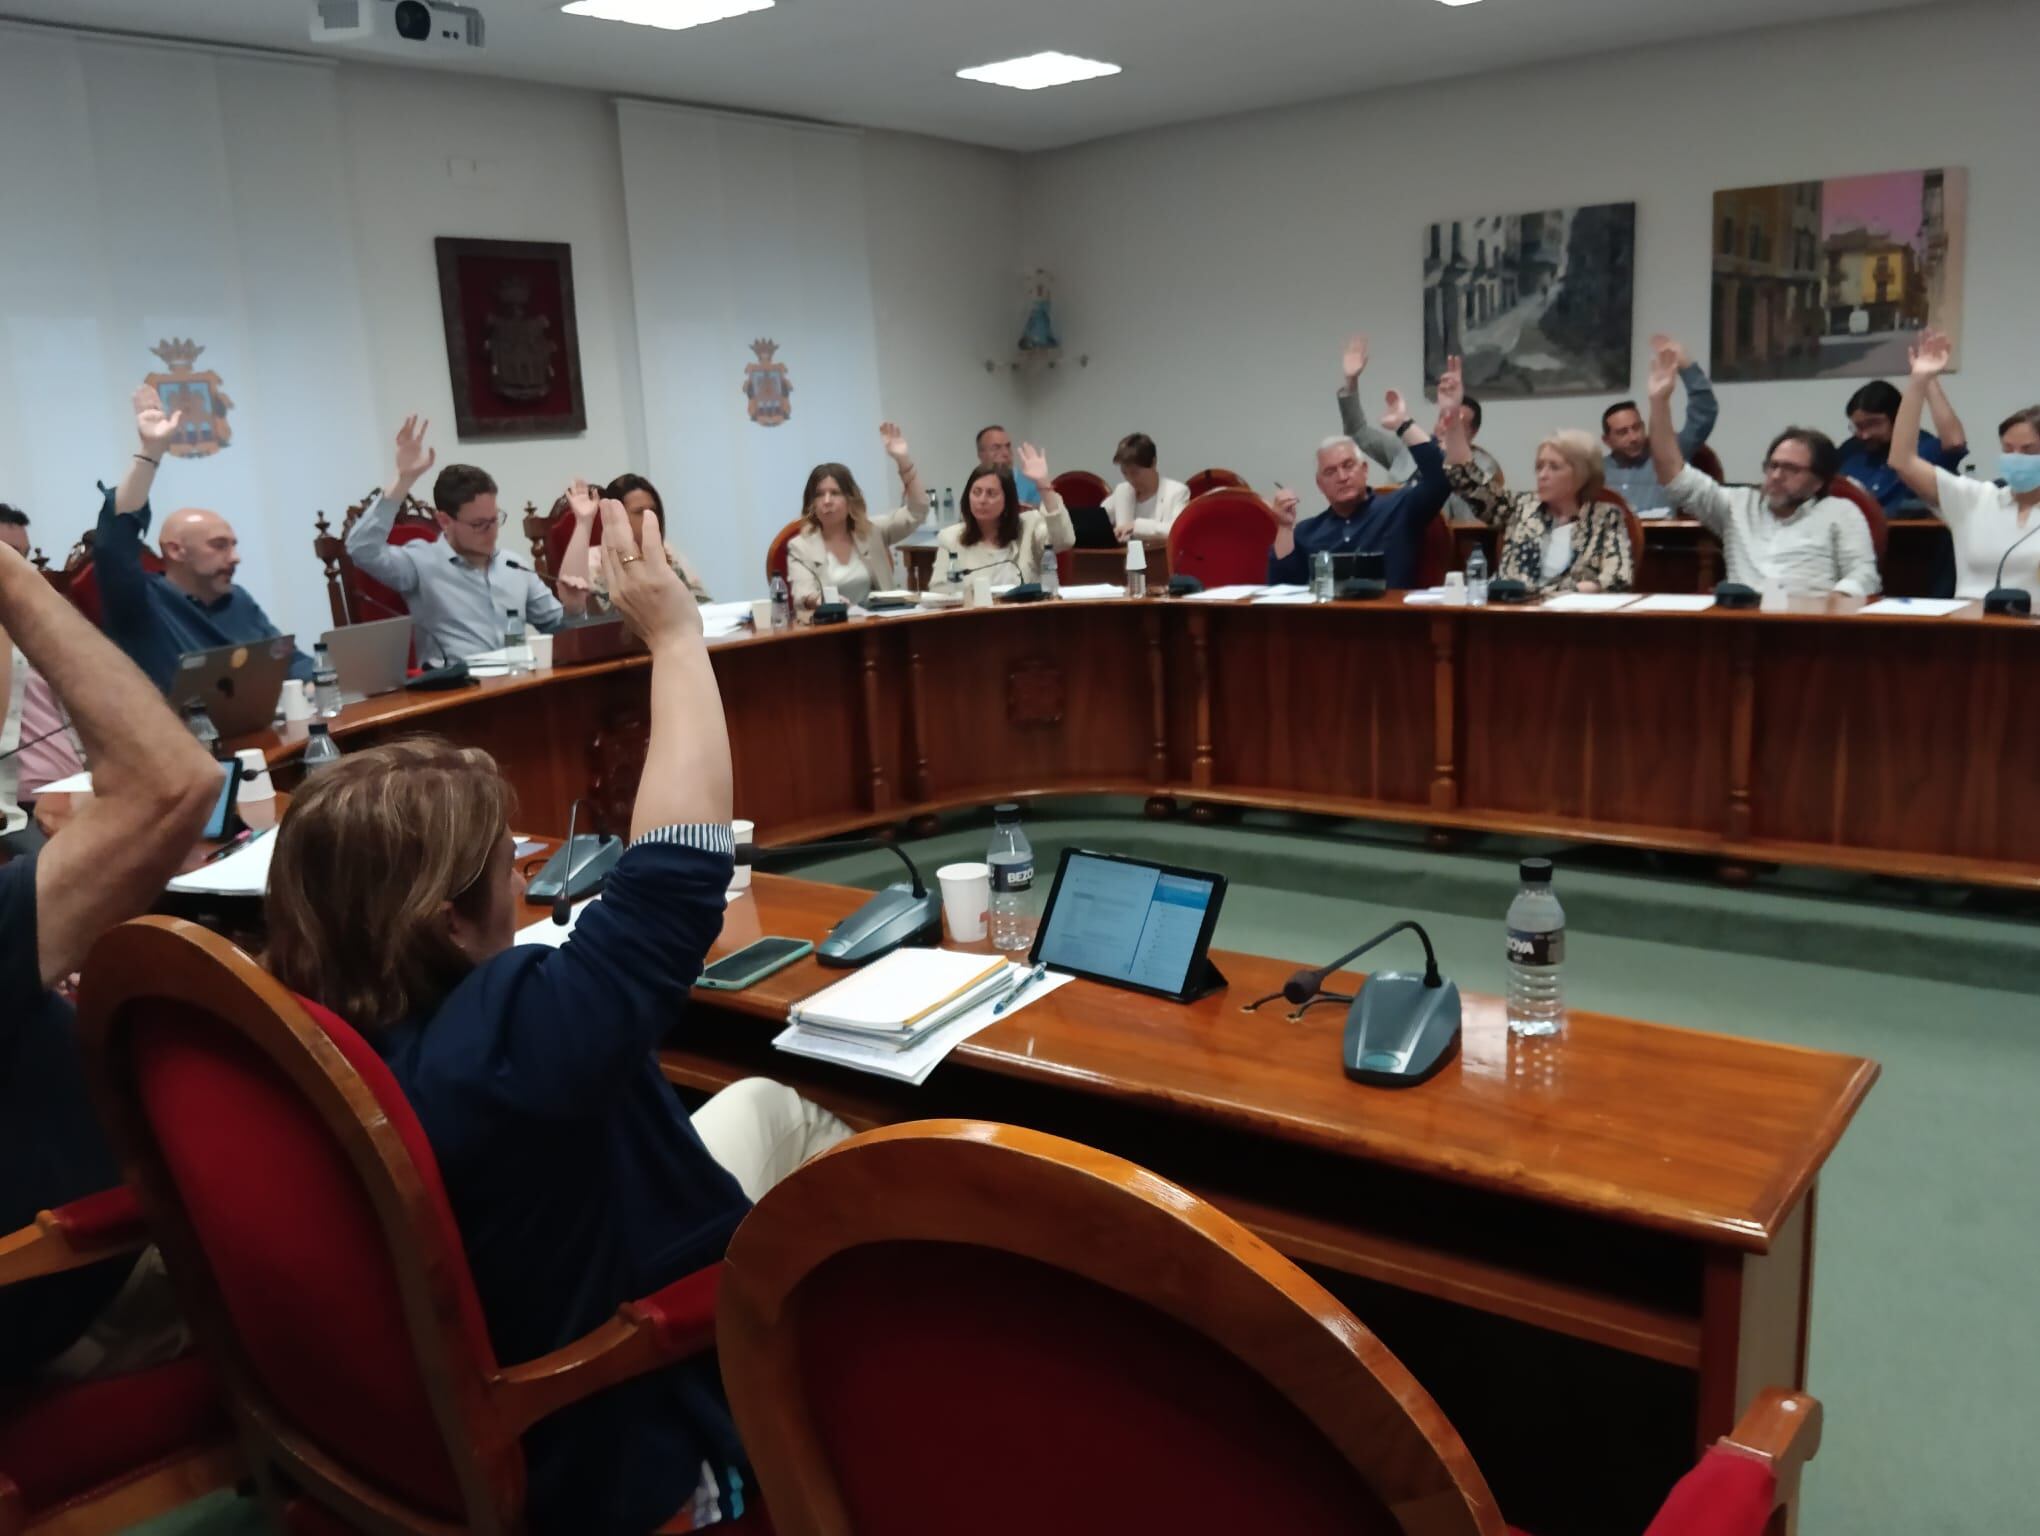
(1083,590)
(1919,607)
(1673,602)
(1588,602)
(1224,594)
(721,620)
(244,872)
(896,1002)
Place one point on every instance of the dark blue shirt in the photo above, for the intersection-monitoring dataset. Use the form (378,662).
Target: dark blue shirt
(1871,467)
(154,622)
(576,1176)
(51,1147)
(1393,523)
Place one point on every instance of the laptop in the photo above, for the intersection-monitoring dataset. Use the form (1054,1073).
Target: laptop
(1094,528)
(239,685)
(370,658)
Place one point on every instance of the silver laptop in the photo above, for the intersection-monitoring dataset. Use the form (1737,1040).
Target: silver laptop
(239,685)
(370,658)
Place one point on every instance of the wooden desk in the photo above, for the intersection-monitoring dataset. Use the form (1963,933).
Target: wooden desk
(1816,736)
(1644,1189)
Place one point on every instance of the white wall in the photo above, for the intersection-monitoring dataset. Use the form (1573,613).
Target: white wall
(1212,271)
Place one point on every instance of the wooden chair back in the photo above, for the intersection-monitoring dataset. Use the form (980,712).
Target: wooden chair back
(1873,513)
(356,598)
(1081,488)
(80,582)
(1708,462)
(775,552)
(302,1217)
(954,1326)
(1222,538)
(1212,480)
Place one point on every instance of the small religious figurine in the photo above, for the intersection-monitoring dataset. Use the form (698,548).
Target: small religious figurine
(1039,333)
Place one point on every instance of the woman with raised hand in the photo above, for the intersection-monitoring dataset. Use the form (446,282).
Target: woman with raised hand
(840,544)
(997,537)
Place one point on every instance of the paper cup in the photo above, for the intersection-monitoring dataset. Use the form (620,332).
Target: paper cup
(979,592)
(297,700)
(966,900)
(541,651)
(746,834)
(255,780)
(761,615)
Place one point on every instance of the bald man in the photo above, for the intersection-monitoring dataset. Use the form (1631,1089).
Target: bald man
(193,604)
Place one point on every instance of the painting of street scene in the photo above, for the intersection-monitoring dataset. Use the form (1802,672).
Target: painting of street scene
(1536,303)
(1830,279)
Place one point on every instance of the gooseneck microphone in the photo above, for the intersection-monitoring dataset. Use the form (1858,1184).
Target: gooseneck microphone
(851,845)
(892,917)
(563,905)
(1305,985)
(2009,602)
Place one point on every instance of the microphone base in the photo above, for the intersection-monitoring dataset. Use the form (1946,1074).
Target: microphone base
(893,917)
(590,857)
(2008,603)
(1400,1032)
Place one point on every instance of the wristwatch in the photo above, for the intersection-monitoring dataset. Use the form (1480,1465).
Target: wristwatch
(1405,426)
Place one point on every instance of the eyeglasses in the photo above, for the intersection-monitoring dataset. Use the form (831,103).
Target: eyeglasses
(1781,467)
(483,525)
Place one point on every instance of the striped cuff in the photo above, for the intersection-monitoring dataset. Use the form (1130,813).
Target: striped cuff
(702,836)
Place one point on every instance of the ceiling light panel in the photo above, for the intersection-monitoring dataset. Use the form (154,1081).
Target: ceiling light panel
(669,15)
(1038,71)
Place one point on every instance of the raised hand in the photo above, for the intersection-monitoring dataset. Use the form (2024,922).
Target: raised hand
(1033,464)
(1354,359)
(1931,355)
(413,457)
(895,443)
(1395,411)
(156,429)
(646,590)
(1662,341)
(582,501)
(1452,386)
(1282,507)
(1664,372)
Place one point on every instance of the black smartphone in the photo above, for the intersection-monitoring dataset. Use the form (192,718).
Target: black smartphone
(753,963)
(220,825)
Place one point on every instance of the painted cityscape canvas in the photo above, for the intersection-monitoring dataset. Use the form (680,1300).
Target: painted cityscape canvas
(1535,303)
(1830,279)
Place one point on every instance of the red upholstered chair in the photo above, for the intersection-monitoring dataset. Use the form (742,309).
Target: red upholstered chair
(775,553)
(99,1456)
(1212,480)
(1873,514)
(1708,462)
(1222,538)
(301,1213)
(1134,1361)
(355,598)
(1081,488)
(81,584)
(1441,545)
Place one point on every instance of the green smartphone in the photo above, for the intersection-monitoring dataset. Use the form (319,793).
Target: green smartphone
(753,963)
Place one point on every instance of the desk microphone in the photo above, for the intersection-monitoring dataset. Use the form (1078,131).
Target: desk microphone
(2010,602)
(894,916)
(1400,1029)
(1305,985)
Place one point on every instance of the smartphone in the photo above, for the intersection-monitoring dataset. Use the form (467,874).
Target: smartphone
(220,825)
(753,963)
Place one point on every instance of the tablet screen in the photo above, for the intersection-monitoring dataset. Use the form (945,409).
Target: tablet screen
(1119,920)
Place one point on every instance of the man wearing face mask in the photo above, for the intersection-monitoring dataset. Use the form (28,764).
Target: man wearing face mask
(1788,533)
(192,604)
(1984,520)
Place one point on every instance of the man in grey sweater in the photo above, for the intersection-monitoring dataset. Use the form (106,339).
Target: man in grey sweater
(1628,462)
(1388,450)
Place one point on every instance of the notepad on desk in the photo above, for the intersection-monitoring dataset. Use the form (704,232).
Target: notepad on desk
(244,872)
(897,1001)
(913,1062)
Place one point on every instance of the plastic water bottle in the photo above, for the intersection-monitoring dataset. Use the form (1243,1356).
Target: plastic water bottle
(955,577)
(321,750)
(949,505)
(1536,954)
(1011,858)
(202,729)
(782,604)
(1051,575)
(1321,576)
(1136,568)
(325,684)
(515,649)
(1476,578)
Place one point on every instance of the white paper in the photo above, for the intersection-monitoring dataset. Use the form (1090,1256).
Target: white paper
(1673,602)
(1092,589)
(76,784)
(550,934)
(244,872)
(1588,602)
(723,619)
(915,1063)
(1283,600)
(1225,594)
(1919,607)
(488,669)
(1436,597)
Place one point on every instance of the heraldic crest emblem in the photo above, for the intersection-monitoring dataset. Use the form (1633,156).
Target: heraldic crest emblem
(766,385)
(198,395)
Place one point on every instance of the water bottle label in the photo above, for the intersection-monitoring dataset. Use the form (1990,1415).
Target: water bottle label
(1536,948)
(1013,877)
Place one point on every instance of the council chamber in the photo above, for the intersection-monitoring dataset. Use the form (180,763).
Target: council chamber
(743,788)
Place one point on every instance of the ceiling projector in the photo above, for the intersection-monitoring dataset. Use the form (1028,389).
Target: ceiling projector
(403,28)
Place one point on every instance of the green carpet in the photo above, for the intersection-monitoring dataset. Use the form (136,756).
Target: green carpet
(1926,1348)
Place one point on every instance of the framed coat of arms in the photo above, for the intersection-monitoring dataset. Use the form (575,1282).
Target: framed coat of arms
(512,350)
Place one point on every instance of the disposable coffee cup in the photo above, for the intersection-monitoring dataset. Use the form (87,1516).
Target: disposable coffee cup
(966,900)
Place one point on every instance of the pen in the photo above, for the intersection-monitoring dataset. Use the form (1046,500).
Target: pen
(1020,986)
(229,845)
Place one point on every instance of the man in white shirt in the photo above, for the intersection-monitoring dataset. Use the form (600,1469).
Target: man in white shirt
(1789,533)
(1145,502)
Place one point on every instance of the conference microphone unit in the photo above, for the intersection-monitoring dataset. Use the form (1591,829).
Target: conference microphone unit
(577,870)
(1400,1029)
(1736,595)
(899,914)
(2006,602)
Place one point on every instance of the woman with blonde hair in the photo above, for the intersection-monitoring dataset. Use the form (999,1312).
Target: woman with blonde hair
(578,1179)
(1561,537)
(840,544)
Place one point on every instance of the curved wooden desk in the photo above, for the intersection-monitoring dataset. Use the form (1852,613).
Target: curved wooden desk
(1816,736)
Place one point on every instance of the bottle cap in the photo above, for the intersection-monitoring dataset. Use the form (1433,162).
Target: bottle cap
(1535,871)
(1006,810)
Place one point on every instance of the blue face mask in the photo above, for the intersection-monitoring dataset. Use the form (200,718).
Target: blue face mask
(2021,472)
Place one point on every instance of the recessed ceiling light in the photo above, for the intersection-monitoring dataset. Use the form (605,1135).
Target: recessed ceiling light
(1459,2)
(671,15)
(1038,70)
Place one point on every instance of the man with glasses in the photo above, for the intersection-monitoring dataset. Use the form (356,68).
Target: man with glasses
(192,604)
(461,588)
(1788,533)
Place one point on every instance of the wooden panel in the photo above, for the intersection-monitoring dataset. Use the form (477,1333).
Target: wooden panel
(796,712)
(1570,716)
(1756,1309)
